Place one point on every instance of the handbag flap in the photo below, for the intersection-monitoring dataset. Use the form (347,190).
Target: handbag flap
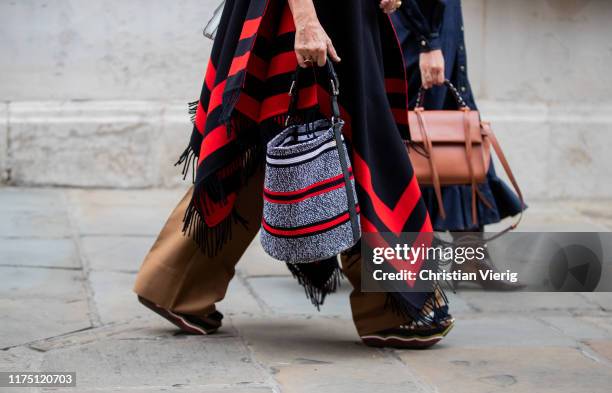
(445,126)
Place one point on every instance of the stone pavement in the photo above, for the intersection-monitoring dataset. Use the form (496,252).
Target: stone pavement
(68,258)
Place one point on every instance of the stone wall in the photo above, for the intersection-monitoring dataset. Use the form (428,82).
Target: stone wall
(94,93)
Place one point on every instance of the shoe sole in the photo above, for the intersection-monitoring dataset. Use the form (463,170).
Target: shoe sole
(409,342)
(176,319)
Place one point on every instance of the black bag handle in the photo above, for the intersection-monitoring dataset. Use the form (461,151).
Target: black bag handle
(334,85)
(460,101)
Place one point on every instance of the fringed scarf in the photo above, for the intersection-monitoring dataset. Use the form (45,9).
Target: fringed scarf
(244,102)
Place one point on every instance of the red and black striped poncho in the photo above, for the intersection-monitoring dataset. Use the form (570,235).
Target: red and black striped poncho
(244,102)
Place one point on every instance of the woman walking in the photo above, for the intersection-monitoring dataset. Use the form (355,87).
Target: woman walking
(243,104)
(433,44)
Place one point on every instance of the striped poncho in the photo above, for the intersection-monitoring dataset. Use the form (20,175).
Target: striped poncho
(244,102)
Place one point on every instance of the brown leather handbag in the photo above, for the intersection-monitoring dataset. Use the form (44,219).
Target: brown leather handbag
(450,147)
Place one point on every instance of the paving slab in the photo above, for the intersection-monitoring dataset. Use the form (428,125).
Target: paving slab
(287,340)
(21,283)
(283,295)
(601,321)
(509,369)
(39,252)
(177,388)
(150,361)
(116,253)
(601,299)
(255,262)
(524,302)
(150,326)
(36,303)
(239,299)
(509,330)
(34,223)
(122,212)
(321,354)
(115,301)
(602,348)
(26,320)
(20,359)
(575,328)
(356,376)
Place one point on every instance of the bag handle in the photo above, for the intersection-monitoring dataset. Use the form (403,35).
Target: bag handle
(334,85)
(460,101)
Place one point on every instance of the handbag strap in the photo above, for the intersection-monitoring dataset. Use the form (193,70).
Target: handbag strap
(460,101)
(334,85)
(486,129)
(428,146)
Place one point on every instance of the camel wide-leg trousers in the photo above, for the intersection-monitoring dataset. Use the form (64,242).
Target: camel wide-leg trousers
(178,276)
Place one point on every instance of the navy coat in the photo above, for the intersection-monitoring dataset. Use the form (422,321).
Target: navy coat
(422,26)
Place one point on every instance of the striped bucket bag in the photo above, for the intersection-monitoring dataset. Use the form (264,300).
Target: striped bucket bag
(310,206)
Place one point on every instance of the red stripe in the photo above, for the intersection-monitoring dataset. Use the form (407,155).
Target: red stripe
(215,140)
(286,24)
(238,64)
(248,106)
(314,194)
(395,86)
(216,96)
(393,218)
(211,74)
(302,198)
(310,187)
(200,118)
(401,116)
(249,28)
(308,230)
(278,104)
(282,63)
(257,67)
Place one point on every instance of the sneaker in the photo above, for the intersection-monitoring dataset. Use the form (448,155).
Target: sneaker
(191,324)
(412,336)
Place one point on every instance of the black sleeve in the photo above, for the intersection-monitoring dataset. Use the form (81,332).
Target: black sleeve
(424,19)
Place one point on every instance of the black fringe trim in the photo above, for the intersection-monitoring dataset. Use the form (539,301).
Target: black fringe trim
(189,161)
(434,311)
(216,186)
(193,107)
(319,279)
(210,239)
(189,157)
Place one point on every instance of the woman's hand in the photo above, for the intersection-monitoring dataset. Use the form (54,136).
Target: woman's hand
(312,44)
(432,68)
(390,6)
